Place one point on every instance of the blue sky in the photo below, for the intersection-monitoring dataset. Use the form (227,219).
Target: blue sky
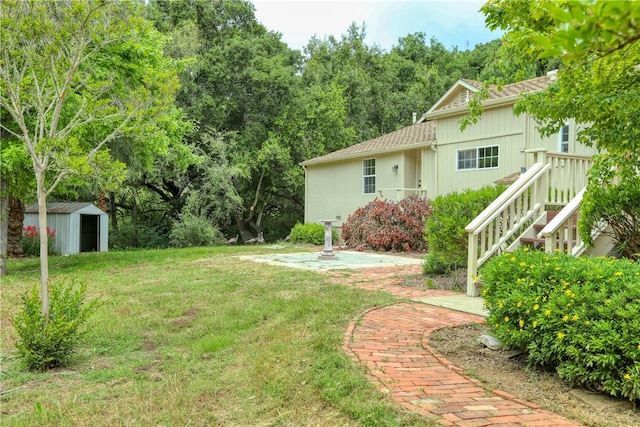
(453,22)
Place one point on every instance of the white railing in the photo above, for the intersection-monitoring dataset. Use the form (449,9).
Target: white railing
(554,179)
(503,220)
(561,233)
(398,194)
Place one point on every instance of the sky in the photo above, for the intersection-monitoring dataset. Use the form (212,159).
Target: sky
(453,22)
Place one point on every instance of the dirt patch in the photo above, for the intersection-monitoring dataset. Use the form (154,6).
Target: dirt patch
(454,281)
(148,345)
(509,373)
(187,318)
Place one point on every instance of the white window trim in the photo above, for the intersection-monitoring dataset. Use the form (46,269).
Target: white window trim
(560,138)
(476,168)
(364,192)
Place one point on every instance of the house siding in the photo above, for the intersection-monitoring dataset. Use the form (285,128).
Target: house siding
(334,190)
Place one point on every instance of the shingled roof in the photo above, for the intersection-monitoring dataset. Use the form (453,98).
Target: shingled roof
(416,134)
(513,89)
(424,131)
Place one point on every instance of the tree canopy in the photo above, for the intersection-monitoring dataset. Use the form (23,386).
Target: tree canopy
(77,77)
(193,109)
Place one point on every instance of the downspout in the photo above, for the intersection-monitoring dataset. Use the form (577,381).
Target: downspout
(435,167)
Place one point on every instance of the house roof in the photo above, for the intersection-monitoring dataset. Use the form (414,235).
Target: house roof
(413,135)
(62,207)
(512,90)
(423,132)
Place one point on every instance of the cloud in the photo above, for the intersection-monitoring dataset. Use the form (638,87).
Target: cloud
(453,23)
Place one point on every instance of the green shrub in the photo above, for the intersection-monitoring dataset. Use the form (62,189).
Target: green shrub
(612,198)
(133,235)
(580,316)
(46,344)
(31,240)
(194,231)
(310,233)
(388,226)
(444,231)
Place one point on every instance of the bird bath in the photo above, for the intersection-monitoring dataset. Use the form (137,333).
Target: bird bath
(327,253)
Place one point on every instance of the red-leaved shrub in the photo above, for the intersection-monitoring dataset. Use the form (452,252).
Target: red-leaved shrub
(388,226)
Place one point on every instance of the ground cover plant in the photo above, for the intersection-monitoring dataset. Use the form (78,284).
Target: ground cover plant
(385,225)
(579,316)
(197,337)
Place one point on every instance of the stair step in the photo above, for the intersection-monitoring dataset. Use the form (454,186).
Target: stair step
(538,240)
(552,214)
(539,227)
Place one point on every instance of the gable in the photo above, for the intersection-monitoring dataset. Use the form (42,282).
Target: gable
(457,98)
(458,95)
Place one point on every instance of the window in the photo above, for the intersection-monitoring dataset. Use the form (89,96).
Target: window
(564,139)
(478,158)
(369,176)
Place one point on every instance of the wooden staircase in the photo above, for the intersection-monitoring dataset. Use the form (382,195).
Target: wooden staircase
(526,213)
(568,232)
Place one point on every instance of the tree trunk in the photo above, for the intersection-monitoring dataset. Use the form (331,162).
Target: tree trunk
(112,210)
(44,243)
(247,228)
(102,202)
(14,236)
(4,224)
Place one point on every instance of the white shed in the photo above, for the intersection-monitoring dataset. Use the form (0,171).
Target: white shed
(79,226)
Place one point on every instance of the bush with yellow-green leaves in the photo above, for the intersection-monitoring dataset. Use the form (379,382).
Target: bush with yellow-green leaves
(580,316)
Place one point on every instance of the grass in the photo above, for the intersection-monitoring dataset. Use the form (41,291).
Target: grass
(197,337)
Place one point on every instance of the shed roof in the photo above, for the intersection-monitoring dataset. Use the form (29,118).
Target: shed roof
(64,208)
(413,135)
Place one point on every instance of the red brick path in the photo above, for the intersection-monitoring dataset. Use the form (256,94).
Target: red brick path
(392,342)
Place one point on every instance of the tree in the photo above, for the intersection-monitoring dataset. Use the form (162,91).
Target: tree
(16,180)
(598,85)
(241,80)
(76,76)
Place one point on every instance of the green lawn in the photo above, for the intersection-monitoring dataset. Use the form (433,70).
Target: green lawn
(197,337)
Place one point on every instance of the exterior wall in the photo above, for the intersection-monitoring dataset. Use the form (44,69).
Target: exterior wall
(552,142)
(61,224)
(412,166)
(334,190)
(104,233)
(497,126)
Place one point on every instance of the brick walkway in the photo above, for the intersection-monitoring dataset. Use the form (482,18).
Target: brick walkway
(392,342)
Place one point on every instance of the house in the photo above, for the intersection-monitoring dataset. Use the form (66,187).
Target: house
(79,227)
(433,156)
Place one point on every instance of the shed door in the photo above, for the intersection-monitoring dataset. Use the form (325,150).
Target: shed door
(89,233)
